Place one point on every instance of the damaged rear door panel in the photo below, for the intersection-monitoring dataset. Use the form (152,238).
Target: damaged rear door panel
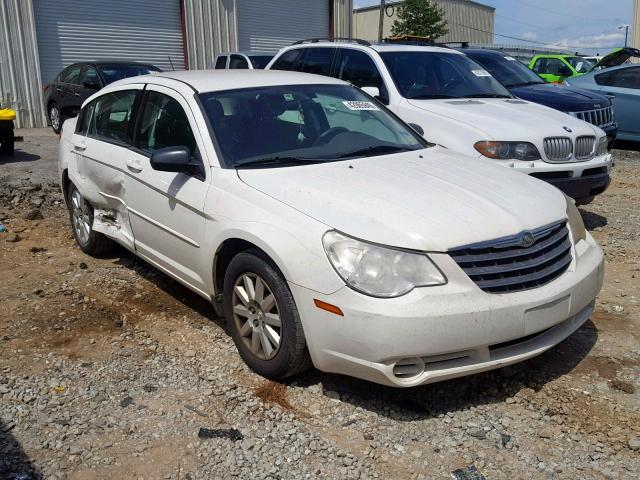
(101,157)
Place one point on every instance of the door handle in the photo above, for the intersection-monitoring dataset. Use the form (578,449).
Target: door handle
(58,89)
(135,167)
(76,94)
(79,147)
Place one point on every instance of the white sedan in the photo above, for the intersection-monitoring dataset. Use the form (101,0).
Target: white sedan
(326,229)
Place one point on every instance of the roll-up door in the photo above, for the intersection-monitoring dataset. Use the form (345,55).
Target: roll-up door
(267,26)
(71,31)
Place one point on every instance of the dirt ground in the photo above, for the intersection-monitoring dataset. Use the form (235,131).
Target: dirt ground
(108,369)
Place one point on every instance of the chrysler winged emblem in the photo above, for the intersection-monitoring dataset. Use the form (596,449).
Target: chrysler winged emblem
(527,239)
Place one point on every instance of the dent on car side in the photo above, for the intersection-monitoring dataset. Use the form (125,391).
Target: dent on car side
(424,201)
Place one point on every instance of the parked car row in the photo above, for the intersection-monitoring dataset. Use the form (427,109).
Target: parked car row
(360,208)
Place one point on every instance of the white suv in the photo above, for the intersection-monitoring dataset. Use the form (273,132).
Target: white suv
(458,104)
(327,229)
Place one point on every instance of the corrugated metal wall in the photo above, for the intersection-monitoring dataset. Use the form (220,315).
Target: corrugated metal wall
(467,21)
(19,68)
(270,26)
(212,27)
(70,31)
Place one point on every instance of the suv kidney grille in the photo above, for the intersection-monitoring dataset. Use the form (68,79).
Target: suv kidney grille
(505,265)
(601,117)
(558,149)
(585,147)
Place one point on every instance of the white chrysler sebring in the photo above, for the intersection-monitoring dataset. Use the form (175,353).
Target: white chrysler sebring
(326,229)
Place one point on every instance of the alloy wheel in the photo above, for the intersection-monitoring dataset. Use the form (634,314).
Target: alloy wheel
(256,316)
(54,116)
(80,214)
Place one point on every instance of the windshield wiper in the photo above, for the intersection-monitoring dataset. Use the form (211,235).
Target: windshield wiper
(278,161)
(488,95)
(373,151)
(524,84)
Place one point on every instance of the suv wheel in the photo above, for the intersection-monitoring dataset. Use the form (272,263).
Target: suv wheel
(263,317)
(55,117)
(81,215)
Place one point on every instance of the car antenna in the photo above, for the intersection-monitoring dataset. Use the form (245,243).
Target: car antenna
(170,62)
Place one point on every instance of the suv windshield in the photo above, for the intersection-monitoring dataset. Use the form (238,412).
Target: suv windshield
(430,75)
(111,73)
(296,124)
(507,70)
(260,61)
(579,64)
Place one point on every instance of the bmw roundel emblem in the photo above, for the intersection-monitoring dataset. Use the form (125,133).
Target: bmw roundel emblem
(567,129)
(527,239)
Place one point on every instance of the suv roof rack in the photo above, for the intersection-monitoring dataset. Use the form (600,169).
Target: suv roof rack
(454,44)
(423,41)
(334,39)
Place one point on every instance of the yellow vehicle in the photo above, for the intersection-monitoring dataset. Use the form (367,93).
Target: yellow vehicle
(7,116)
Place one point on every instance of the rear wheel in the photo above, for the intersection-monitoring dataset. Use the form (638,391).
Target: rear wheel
(55,117)
(81,215)
(263,317)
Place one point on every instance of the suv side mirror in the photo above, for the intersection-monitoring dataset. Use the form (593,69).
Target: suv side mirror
(375,93)
(175,159)
(91,85)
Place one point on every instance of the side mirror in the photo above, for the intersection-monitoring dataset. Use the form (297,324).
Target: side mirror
(371,91)
(91,85)
(419,130)
(175,159)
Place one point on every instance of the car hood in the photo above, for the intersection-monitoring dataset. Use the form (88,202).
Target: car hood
(617,57)
(561,97)
(506,119)
(430,200)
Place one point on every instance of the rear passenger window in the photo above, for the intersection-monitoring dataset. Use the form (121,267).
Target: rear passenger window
(112,116)
(221,63)
(71,75)
(290,61)
(84,119)
(164,123)
(238,62)
(318,61)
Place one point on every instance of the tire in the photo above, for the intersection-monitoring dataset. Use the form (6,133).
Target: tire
(81,218)
(55,117)
(248,317)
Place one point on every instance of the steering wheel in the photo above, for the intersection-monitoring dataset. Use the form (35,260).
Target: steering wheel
(451,83)
(326,136)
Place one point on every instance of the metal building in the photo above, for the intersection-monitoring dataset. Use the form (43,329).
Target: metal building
(468,21)
(635,26)
(43,36)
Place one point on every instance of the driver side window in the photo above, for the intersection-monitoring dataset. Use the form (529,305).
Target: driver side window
(164,123)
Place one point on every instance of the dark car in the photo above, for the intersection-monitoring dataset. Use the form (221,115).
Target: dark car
(65,94)
(523,83)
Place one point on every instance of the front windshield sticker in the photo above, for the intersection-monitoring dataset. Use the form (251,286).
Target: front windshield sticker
(579,66)
(481,73)
(511,59)
(357,105)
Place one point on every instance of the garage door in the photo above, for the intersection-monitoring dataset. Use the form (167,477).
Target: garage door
(269,26)
(71,31)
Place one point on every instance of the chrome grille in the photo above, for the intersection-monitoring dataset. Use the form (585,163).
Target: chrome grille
(558,149)
(585,147)
(601,117)
(504,265)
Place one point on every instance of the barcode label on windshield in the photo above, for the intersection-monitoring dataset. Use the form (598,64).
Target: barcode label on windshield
(356,105)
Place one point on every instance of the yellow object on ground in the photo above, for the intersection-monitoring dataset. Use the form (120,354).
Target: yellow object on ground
(7,114)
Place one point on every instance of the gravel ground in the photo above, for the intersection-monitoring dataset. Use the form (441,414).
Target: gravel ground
(109,369)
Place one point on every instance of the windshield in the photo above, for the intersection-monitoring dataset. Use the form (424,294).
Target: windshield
(507,70)
(430,75)
(260,61)
(111,73)
(294,124)
(580,64)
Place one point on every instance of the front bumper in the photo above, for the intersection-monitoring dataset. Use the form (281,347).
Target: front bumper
(450,331)
(579,180)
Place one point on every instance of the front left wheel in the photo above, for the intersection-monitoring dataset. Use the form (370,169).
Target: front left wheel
(263,317)
(81,216)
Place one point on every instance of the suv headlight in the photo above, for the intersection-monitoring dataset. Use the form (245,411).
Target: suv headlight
(601,148)
(508,150)
(379,271)
(576,225)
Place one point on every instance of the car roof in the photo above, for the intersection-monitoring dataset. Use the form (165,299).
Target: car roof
(248,54)
(482,51)
(378,47)
(218,80)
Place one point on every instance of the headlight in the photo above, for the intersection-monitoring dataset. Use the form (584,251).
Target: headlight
(379,271)
(576,225)
(508,150)
(601,148)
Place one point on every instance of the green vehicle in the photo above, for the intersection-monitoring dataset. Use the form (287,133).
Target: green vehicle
(556,68)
